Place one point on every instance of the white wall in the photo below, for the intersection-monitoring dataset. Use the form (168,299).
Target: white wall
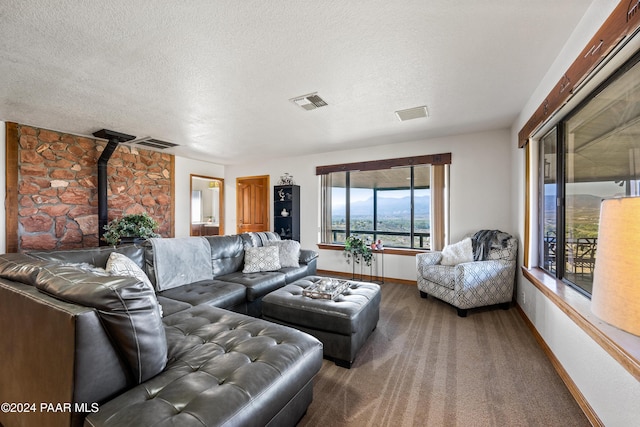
(480,190)
(612,391)
(3,188)
(183,169)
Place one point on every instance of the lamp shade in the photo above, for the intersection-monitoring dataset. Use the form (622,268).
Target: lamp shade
(616,277)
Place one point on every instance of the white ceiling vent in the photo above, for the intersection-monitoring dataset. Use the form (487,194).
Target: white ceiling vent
(149,143)
(412,113)
(309,102)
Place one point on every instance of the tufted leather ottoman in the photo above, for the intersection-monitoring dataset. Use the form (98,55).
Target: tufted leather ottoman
(342,325)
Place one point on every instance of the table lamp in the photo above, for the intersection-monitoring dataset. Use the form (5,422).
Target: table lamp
(616,277)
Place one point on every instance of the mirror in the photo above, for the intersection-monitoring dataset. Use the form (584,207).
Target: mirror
(207,207)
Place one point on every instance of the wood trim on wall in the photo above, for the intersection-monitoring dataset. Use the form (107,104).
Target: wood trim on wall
(622,346)
(623,22)
(11,183)
(221,201)
(433,159)
(562,373)
(438,200)
(527,206)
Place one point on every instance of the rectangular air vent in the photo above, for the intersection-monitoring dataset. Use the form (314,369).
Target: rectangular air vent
(152,143)
(309,102)
(412,113)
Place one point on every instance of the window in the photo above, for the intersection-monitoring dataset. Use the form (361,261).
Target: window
(401,202)
(592,154)
(549,212)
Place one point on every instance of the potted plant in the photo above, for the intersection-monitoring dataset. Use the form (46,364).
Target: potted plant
(359,249)
(130,228)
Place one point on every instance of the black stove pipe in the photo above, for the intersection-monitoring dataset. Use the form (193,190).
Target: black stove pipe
(114,138)
(103,208)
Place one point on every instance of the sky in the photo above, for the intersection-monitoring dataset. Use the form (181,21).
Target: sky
(338,195)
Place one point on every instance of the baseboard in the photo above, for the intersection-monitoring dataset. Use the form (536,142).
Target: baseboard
(365,277)
(571,386)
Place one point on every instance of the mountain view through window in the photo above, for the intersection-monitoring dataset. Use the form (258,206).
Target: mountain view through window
(390,206)
(592,155)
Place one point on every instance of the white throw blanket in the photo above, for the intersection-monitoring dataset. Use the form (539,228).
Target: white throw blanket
(180,261)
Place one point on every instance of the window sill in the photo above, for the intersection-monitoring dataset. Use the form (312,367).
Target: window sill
(391,251)
(622,346)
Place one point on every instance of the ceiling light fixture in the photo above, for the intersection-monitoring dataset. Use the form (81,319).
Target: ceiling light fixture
(309,102)
(412,113)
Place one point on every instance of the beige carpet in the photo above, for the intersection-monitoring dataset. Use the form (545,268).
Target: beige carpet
(425,366)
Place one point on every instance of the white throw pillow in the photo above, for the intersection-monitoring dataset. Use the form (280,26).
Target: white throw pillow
(265,258)
(458,253)
(289,252)
(121,265)
(85,266)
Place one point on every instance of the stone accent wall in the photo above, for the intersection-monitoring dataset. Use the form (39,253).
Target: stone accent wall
(58,194)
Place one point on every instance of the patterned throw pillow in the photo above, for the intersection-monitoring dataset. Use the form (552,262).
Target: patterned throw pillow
(289,251)
(122,265)
(265,258)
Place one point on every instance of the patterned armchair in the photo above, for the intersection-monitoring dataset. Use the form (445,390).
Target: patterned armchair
(470,284)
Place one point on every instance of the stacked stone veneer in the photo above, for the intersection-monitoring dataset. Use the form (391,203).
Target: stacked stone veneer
(58,194)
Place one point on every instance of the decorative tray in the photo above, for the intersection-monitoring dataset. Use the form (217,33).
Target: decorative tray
(326,289)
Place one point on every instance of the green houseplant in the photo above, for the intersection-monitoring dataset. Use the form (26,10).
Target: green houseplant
(359,249)
(140,226)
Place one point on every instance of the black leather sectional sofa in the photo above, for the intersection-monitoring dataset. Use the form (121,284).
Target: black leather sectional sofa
(81,347)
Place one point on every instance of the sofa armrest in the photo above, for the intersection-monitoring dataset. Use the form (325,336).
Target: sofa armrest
(307,255)
(477,274)
(53,351)
(427,258)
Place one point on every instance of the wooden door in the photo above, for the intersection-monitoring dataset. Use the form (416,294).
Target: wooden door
(252,204)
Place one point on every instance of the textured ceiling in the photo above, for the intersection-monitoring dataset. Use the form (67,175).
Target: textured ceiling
(216,76)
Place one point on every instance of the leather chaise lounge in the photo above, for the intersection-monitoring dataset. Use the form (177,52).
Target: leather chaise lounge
(84,348)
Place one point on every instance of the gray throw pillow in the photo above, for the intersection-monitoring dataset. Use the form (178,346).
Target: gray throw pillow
(258,259)
(289,252)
